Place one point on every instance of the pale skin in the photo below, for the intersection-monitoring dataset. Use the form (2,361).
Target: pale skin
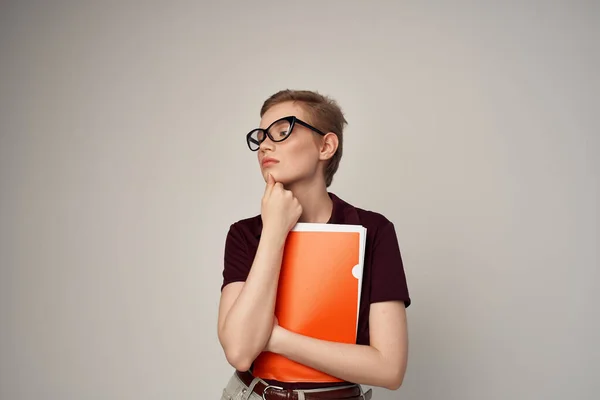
(295,191)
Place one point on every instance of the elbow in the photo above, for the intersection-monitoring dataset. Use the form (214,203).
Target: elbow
(394,381)
(394,384)
(240,364)
(239,359)
(240,354)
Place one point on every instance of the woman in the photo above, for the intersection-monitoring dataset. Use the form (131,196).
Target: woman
(299,147)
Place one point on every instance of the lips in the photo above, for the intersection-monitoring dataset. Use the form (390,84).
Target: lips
(269,161)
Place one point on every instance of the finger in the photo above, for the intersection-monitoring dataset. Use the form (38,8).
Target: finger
(270,184)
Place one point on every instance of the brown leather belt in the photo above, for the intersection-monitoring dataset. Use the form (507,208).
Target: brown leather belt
(268,392)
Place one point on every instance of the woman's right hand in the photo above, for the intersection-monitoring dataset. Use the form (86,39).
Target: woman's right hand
(280,210)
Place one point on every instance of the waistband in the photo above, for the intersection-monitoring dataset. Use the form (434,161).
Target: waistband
(269,392)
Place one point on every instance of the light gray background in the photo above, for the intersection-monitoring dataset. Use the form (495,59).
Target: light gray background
(472,126)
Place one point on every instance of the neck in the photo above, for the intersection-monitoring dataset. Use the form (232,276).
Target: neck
(316,203)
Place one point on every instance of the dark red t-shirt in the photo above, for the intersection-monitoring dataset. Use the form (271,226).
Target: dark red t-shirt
(383,274)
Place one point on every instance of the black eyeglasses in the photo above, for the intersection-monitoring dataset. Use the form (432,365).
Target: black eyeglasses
(278,131)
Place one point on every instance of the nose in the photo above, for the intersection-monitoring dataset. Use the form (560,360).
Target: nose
(266,144)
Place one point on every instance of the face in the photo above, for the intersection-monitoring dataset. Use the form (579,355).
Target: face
(296,158)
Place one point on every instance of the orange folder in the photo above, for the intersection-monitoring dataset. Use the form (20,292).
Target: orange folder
(318,294)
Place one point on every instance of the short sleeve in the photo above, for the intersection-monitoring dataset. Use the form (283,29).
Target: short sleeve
(236,261)
(388,281)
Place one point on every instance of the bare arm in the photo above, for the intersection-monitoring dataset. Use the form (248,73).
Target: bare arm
(246,309)
(383,363)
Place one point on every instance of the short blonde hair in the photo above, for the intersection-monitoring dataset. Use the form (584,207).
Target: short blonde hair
(323,113)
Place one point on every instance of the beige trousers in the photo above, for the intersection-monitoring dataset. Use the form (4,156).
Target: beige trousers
(237,390)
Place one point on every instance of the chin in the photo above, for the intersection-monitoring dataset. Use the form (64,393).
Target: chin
(277,176)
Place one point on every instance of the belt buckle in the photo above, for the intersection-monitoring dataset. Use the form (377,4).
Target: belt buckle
(267,388)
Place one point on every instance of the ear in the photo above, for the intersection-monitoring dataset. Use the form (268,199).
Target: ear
(328,146)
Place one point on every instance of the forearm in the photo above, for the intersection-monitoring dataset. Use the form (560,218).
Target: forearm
(354,363)
(249,322)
